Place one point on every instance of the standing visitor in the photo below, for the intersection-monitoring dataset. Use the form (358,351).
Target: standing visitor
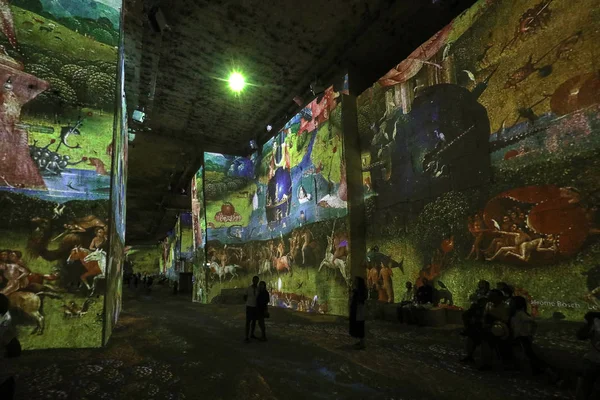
(523,327)
(262,311)
(357,312)
(250,298)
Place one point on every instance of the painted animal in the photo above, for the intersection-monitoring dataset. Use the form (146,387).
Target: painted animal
(282,264)
(92,268)
(37,282)
(222,271)
(30,304)
(100,257)
(73,310)
(96,162)
(37,245)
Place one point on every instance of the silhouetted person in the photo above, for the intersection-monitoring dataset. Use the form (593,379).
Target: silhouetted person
(591,369)
(523,327)
(425,293)
(149,281)
(406,304)
(262,311)
(505,288)
(496,333)
(357,312)
(483,288)
(250,298)
(474,329)
(175,287)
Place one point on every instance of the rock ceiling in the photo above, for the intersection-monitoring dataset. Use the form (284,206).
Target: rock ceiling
(281,46)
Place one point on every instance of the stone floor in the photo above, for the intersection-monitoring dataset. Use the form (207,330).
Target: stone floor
(165,347)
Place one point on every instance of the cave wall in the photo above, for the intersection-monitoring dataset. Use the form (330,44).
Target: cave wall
(62,169)
(480,158)
(281,214)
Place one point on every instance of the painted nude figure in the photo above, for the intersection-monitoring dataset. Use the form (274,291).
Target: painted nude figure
(539,244)
(13,273)
(306,239)
(519,237)
(386,278)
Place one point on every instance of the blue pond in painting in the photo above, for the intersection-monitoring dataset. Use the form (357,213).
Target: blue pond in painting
(71,184)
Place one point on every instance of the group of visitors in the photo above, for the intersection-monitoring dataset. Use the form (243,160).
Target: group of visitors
(414,301)
(139,280)
(500,323)
(257,301)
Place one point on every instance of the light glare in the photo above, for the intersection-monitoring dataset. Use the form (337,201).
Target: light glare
(237,82)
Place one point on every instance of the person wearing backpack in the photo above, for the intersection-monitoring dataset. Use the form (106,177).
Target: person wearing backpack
(591,369)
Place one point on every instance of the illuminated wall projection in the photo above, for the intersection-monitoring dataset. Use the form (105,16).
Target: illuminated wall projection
(480,158)
(186,244)
(200,272)
(57,142)
(170,254)
(144,259)
(114,272)
(282,215)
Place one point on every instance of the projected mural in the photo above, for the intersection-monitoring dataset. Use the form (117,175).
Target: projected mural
(59,72)
(118,150)
(199,228)
(480,157)
(281,214)
(170,253)
(187,237)
(144,260)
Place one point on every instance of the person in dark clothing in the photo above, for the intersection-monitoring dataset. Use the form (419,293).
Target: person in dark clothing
(425,293)
(262,311)
(522,328)
(357,312)
(496,332)
(175,287)
(506,289)
(474,329)
(482,291)
(149,281)
(483,288)
(250,299)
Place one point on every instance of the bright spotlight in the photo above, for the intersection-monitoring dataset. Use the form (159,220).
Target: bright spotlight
(237,82)
(269,127)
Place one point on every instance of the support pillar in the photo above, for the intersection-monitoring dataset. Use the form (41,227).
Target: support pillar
(356,204)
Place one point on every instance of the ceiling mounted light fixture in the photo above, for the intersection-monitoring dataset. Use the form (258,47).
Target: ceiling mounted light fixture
(269,128)
(237,82)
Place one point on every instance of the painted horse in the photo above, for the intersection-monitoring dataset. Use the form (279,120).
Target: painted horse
(92,267)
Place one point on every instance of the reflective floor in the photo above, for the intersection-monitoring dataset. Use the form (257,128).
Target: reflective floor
(165,347)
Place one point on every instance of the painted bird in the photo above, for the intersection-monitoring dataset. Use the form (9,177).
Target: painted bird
(7,25)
